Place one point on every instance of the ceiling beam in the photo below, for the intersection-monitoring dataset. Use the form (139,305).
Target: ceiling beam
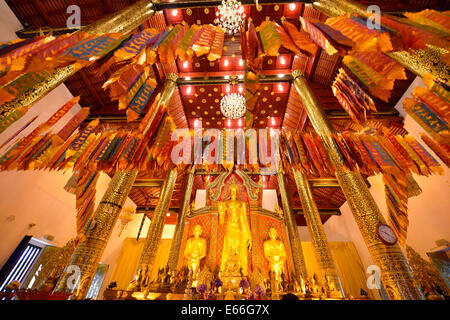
(332,115)
(148,183)
(141,209)
(322,212)
(228,79)
(299,211)
(324,183)
(163,5)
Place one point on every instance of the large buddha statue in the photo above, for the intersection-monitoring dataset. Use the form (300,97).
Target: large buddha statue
(275,252)
(195,250)
(237,239)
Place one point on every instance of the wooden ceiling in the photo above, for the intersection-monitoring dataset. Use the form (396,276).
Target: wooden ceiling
(197,96)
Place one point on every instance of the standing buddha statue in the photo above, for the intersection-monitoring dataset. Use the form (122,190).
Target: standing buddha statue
(237,239)
(195,250)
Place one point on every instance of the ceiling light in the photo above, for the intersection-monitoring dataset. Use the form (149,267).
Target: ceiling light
(292,6)
(174,12)
(230,16)
(233,106)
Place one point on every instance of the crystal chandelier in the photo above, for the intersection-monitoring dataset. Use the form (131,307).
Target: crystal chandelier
(233,106)
(230,16)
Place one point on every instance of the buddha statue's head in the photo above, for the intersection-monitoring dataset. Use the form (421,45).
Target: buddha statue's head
(273,233)
(197,230)
(233,191)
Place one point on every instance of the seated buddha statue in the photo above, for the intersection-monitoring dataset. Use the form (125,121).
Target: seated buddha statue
(275,252)
(332,291)
(313,288)
(195,250)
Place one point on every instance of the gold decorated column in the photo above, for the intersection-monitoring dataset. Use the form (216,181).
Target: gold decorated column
(87,255)
(395,272)
(124,21)
(181,221)
(419,62)
(318,238)
(291,225)
(157,223)
(89,252)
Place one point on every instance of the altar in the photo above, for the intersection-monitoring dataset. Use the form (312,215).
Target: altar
(231,249)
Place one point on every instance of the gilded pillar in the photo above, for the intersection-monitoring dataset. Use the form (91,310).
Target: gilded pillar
(292,230)
(330,8)
(318,238)
(424,61)
(88,253)
(419,62)
(124,21)
(157,223)
(395,272)
(174,253)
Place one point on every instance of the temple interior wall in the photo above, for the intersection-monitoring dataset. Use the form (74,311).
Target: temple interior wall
(39,198)
(428,214)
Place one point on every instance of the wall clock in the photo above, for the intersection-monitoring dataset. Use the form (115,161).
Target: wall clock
(386,234)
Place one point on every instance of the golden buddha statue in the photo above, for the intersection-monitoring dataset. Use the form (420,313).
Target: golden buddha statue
(237,239)
(313,288)
(275,252)
(332,291)
(195,250)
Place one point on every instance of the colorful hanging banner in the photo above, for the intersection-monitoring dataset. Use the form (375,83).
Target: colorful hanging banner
(352,97)
(318,36)
(137,44)
(300,38)
(269,38)
(428,120)
(141,99)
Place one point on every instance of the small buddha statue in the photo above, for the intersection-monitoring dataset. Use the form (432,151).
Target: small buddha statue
(302,286)
(283,283)
(314,289)
(332,291)
(275,252)
(195,250)
(136,282)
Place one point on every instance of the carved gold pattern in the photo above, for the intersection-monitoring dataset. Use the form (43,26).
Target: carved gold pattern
(179,228)
(292,230)
(422,62)
(426,274)
(89,252)
(251,186)
(318,238)
(38,91)
(328,8)
(157,222)
(395,272)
